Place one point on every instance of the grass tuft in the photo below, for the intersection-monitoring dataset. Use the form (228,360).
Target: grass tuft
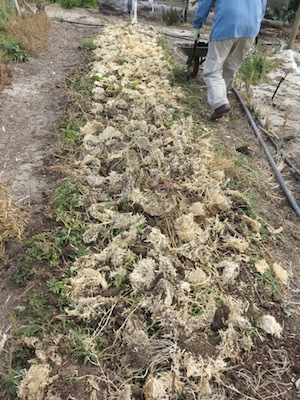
(30,31)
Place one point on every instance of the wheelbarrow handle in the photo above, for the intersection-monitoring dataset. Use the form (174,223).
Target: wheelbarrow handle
(190,60)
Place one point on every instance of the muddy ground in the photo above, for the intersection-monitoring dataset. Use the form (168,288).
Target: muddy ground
(30,108)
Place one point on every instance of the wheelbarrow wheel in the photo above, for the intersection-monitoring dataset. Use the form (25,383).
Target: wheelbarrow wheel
(195,67)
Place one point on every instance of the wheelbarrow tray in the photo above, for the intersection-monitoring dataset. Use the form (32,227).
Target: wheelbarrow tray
(196,56)
(201,49)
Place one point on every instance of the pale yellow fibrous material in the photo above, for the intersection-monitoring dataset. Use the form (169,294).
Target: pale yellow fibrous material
(197,277)
(89,280)
(269,324)
(143,274)
(280,273)
(198,209)
(34,382)
(237,244)
(165,248)
(252,223)
(230,271)
(262,266)
(161,386)
(12,220)
(91,128)
(186,228)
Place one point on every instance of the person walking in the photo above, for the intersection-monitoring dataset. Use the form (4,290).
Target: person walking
(235,26)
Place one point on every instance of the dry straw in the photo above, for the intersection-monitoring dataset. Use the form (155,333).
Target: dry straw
(173,243)
(12,220)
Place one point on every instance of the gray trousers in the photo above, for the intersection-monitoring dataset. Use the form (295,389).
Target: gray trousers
(223,59)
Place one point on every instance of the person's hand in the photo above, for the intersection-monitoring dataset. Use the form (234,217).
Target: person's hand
(197,34)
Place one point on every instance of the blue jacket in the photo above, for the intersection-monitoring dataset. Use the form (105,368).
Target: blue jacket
(233,18)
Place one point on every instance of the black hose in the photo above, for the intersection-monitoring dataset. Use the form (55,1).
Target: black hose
(272,163)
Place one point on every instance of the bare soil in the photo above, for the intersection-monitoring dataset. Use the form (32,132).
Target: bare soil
(29,110)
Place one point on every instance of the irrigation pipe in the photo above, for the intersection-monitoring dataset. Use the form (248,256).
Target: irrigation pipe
(79,23)
(272,163)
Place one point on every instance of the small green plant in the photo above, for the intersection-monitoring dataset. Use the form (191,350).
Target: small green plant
(12,380)
(57,286)
(171,16)
(77,3)
(13,52)
(66,199)
(82,347)
(256,66)
(88,44)
(178,74)
(269,281)
(42,248)
(70,138)
(197,309)
(277,14)
(6,13)
(69,214)
(24,270)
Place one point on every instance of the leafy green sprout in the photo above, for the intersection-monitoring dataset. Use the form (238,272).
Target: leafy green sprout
(89,44)
(24,270)
(12,380)
(82,347)
(257,65)
(13,52)
(57,286)
(269,281)
(171,16)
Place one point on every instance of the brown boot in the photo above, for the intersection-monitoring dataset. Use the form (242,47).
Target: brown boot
(219,112)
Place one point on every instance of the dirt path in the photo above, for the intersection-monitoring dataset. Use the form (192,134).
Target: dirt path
(29,109)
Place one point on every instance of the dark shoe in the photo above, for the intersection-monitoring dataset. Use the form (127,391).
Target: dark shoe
(219,112)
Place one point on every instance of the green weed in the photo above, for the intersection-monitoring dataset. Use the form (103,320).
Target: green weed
(13,52)
(7,11)
(269,281)
(66,199)
(197,309)
(77,3)
(30,330)
(12,380)
(42,248)
(256,66)
(178,74)
(24,270)
(37,305)
(132,86)
(70,138)
(279,14)
(89,45)
(171,16)
(70,215)
(81,348)
(57,286)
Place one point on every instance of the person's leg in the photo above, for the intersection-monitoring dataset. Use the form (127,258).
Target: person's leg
(217,54)
(235,59)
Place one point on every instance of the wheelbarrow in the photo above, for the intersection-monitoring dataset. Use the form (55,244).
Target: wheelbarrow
(196,56)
